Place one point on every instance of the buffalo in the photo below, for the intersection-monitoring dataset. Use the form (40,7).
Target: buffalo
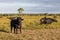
(16,23)
(47,20)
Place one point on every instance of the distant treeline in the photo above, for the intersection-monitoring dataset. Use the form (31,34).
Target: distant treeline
(30,14)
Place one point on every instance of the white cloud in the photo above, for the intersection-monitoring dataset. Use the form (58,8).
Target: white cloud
(12,7)
(18,4)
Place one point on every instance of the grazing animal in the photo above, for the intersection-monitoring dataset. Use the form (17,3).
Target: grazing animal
(47,20)
(16,23)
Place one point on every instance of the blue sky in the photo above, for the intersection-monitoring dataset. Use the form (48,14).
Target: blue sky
(29,6)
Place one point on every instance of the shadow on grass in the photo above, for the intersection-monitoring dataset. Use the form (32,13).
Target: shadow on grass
(4,31)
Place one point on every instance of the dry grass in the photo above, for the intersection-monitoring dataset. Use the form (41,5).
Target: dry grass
(37,34)
(31,29)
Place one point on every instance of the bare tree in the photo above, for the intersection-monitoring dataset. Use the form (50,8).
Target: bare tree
(20,10)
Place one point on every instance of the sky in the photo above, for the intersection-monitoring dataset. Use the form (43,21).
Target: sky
(29,6)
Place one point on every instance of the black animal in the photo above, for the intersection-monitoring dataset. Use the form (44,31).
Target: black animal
(16,23)
(47,20)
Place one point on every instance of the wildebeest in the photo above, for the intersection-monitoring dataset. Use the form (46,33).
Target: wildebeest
(16,23)
(47,20)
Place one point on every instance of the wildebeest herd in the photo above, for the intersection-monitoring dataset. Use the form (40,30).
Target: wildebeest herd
(16,23)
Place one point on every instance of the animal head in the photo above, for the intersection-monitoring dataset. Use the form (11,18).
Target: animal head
(16,18)
(19,18)
(12,18)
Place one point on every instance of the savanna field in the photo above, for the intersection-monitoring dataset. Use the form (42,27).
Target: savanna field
(31,29)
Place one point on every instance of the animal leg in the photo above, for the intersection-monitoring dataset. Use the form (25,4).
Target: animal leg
(20,29)
(16,29)
(11,29)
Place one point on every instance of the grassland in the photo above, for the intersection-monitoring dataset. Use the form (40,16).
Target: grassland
(31,29)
